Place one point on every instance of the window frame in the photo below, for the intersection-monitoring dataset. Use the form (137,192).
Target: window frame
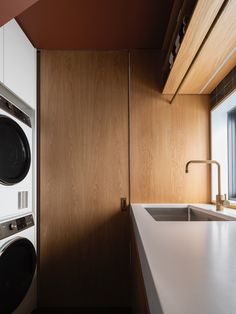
(231,138)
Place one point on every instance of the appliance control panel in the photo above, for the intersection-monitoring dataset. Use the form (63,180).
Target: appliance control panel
(14,111)
(8,228)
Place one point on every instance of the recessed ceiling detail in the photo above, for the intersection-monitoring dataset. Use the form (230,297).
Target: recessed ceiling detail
(92,24)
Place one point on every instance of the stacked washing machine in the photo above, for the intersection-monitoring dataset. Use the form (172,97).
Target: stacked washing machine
(17,217)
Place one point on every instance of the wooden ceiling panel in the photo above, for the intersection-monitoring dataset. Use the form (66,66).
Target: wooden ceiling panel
(91,24)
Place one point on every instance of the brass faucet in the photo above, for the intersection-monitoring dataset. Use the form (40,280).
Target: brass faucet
(220,199)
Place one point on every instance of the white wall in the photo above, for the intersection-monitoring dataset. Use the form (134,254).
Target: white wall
(219,149)
(18,69)
(1,54)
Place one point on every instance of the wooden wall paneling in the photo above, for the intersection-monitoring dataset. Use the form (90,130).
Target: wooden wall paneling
(164,137)
(202,18)
(84,244)
(218,51)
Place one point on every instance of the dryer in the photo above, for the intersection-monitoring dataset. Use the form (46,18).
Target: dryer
(17,266)
(15,161)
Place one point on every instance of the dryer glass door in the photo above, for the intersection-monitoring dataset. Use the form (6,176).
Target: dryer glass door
(14,152)
(17,267)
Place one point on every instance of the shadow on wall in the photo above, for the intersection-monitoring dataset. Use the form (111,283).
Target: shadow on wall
(146,71)
(87,267)
(110,310)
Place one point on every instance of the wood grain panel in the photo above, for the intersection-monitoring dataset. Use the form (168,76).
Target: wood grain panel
(84,245)
(219,47)
(164,137)
(201,20)
(219,74)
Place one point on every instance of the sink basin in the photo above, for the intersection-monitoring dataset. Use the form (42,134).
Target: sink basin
(180,214)
(168,213)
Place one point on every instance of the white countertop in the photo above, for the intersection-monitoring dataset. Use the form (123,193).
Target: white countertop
(188,267)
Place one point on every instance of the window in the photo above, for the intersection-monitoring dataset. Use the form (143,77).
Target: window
(232,154)
(223,147)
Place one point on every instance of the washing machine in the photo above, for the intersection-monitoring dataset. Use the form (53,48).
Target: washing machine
(17,265)
(15,161)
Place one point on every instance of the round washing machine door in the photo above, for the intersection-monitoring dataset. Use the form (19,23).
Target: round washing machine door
(15,155)
(17,268)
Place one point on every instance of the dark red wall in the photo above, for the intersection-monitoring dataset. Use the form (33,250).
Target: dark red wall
(11,8)
(96,24)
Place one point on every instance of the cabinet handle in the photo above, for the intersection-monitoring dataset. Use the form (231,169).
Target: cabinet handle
(123,203)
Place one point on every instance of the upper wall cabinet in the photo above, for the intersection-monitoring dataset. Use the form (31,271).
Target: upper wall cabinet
(216,58)
(189,35)
(19,63)
(1,54)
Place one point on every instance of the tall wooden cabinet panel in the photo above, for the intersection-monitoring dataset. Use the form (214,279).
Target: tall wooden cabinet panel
(1,54)
(84,245)
(164,137)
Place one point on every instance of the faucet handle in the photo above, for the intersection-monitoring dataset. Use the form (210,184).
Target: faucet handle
(220,200)
(225,201)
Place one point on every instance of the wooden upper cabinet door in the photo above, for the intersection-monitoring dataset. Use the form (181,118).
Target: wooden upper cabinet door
(1,54)
(217,57)
(84,243)
(201,20)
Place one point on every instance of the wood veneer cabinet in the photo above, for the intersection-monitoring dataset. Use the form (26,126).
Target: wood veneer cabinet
(217,57)
(202,18)
(84,238)
(84,167)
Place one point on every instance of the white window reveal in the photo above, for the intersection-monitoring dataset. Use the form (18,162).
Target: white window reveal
(223,145)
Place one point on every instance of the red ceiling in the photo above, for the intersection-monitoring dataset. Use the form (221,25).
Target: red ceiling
(96,24)
(11,8)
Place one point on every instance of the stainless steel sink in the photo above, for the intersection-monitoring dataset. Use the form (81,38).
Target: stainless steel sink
(180,214)
(168,213)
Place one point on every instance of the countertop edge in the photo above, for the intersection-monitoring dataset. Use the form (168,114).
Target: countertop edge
(151,291)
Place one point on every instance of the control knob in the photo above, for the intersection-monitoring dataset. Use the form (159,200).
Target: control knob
(13,226)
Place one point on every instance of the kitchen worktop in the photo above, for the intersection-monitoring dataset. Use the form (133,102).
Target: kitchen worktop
(188,267)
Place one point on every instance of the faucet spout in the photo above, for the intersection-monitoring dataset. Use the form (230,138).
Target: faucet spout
(219,198)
